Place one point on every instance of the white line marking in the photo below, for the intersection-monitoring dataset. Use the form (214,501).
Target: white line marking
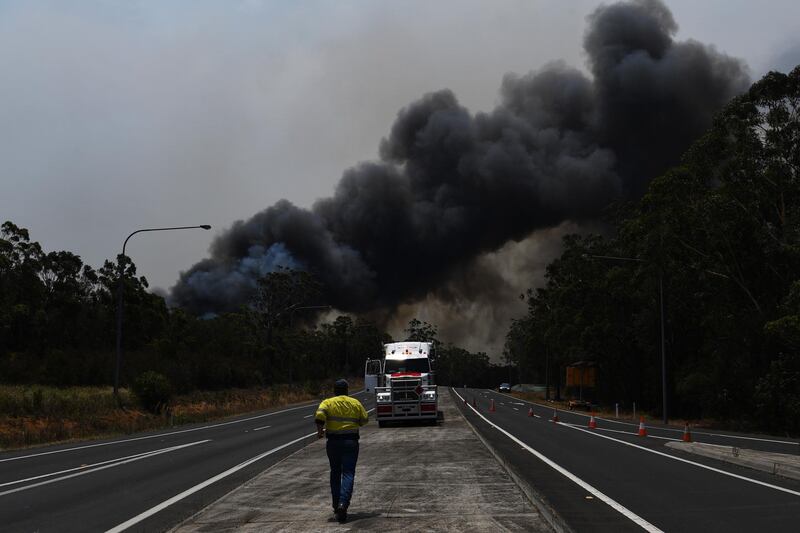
(537,416)
(620,431)
(188,492)
(742,437)
(262,427)
(309,416)
(514,408)
(157,435)
(200,486)
(636,519)
(687,461)
(84,467)
(118,463)
(676,430)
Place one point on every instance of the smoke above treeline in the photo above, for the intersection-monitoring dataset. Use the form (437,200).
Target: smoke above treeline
(451,186)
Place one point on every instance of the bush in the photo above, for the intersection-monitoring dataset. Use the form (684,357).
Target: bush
(153,390)
(777,402)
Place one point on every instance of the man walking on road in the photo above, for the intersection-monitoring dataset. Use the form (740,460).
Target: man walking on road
(339,418)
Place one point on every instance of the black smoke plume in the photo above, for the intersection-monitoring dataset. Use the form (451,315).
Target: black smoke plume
(451,185)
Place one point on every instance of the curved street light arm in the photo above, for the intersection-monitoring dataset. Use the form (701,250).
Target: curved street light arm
(121,293)
(124,244)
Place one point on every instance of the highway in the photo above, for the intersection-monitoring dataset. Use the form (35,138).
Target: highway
(148,481)
(610,479)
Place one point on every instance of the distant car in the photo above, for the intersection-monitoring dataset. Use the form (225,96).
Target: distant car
(504,387)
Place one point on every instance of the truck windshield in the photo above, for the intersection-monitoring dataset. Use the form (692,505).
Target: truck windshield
(407,365)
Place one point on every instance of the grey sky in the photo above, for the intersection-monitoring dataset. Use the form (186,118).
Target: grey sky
(116,115)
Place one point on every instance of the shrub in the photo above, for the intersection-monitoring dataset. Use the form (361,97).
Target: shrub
(776,399)
(153,390)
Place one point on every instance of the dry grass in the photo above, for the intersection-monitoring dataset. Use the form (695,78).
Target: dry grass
(32,415)
(609,413)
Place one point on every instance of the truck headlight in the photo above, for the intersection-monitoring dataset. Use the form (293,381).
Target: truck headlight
(429,395)
(384,397)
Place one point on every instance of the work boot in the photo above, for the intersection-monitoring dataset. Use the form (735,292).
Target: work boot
(341,514)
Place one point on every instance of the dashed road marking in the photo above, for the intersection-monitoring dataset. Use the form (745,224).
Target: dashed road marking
(188,492)
(100,466)
(620,431)
(687,461)
(674,430)
(636,519)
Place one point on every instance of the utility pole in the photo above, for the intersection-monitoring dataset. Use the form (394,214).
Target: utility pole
(664,409)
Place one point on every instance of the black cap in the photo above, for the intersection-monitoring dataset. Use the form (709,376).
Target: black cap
(340,387)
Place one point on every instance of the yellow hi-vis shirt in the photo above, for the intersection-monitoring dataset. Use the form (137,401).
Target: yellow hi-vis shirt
(342,415)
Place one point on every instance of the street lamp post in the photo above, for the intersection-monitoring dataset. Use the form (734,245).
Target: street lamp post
(121,293)
(546,373)
(664,411)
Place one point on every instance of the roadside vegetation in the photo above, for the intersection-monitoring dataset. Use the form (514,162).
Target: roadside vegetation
(721,231)
(31,415)
(57,337)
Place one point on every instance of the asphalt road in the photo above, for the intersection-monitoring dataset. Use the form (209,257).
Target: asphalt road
(147,481)
(610,479)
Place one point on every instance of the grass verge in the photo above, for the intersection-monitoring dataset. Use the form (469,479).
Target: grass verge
(34,415)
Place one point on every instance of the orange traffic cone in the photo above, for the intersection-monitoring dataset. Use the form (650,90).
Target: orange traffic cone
(642,429)
(592,422)
(687,436)
(555,416)
(530,411)
(491,405)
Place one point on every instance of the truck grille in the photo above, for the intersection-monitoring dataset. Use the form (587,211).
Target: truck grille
(405,389)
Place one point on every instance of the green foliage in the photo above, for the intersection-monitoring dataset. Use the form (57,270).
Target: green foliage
(421,331)
(57,327)
(153,390)
(722,232)
(776,395)
(55,402)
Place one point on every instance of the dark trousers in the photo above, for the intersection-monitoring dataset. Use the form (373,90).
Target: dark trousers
(343,455)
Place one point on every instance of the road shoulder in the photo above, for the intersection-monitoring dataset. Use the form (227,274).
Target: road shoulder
(408,477)
(547,488)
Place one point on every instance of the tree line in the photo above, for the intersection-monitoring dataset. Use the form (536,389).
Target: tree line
(58,327)
(719,236)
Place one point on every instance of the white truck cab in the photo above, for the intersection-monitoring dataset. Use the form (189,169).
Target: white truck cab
(403,382)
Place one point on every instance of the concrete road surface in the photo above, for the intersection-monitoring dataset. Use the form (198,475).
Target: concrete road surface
(409,478)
